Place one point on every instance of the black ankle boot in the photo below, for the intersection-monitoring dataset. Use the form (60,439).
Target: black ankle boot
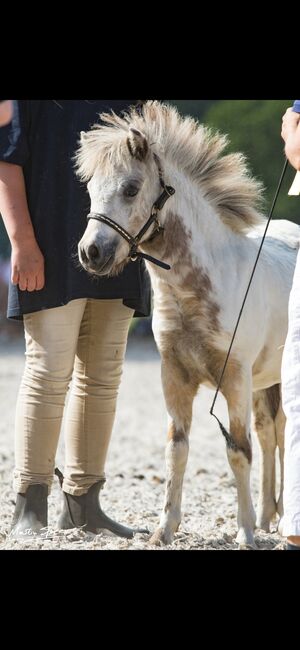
(31,511)
(84,512)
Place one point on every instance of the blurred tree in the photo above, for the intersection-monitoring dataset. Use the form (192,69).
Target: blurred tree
(253,127)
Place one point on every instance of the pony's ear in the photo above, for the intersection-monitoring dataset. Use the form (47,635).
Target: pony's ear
(137,144)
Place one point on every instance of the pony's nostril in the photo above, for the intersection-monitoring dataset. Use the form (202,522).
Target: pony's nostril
(93,252)
(83,255)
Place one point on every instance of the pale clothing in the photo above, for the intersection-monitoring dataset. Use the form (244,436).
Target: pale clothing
(84,340)
(291,406)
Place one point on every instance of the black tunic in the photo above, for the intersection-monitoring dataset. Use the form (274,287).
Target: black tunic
(43,137)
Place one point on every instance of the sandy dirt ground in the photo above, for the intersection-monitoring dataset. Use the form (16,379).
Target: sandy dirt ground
(135,469)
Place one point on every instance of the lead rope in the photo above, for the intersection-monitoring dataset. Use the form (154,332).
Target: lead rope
(225,433)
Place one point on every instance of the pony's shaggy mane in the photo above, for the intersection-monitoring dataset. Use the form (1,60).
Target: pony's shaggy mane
(195,149)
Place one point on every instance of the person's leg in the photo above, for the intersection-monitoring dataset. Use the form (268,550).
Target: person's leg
(90,415)
(51,338)
(291,406)
(93,395)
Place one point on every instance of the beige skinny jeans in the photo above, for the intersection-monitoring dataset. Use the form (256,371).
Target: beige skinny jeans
(85,341)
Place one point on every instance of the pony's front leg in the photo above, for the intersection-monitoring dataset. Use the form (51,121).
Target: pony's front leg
(239,452)
(179,392)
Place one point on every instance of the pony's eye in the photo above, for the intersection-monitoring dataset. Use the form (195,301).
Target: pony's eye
(131,190)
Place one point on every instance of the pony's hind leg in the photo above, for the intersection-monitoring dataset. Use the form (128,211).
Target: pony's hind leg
(179,392)
(265,407)
(280,421)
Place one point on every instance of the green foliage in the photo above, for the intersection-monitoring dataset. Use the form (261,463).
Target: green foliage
(253,127)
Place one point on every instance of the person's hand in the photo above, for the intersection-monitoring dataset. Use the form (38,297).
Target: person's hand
(290,123)
(27,266)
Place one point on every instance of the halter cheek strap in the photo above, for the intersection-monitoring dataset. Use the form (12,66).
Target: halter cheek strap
(134,242)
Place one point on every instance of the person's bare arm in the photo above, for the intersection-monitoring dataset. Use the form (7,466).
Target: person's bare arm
(5,112)
(291,135)
(27,261)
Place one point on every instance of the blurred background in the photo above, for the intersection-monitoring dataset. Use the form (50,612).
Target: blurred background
(253,127)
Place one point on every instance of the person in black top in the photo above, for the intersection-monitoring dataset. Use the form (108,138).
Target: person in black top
(75,326)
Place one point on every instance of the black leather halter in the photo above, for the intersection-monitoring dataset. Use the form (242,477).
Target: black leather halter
(134,242)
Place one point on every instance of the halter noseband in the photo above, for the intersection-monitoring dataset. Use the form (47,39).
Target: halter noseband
(134,242)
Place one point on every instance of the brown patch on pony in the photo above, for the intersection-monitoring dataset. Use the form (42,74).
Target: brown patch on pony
(238,432)
(193,291)
(174,434)
(176,237)
(199,283)
(259,419)
(172,242)
(273,399)
(175,244)
(231,379)
(266,404)
(182,369)
(190,355)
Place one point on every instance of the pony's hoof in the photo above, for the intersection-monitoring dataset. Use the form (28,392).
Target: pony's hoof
(247,547)
(245,539)
(280,527)
(279,508)
(161,536)
(265,515)
(263,524)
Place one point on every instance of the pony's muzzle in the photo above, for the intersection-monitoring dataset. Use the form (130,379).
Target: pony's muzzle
(97,258)
(90,255)
(93,254)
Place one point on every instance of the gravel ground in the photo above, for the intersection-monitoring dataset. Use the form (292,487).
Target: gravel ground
(134,489)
